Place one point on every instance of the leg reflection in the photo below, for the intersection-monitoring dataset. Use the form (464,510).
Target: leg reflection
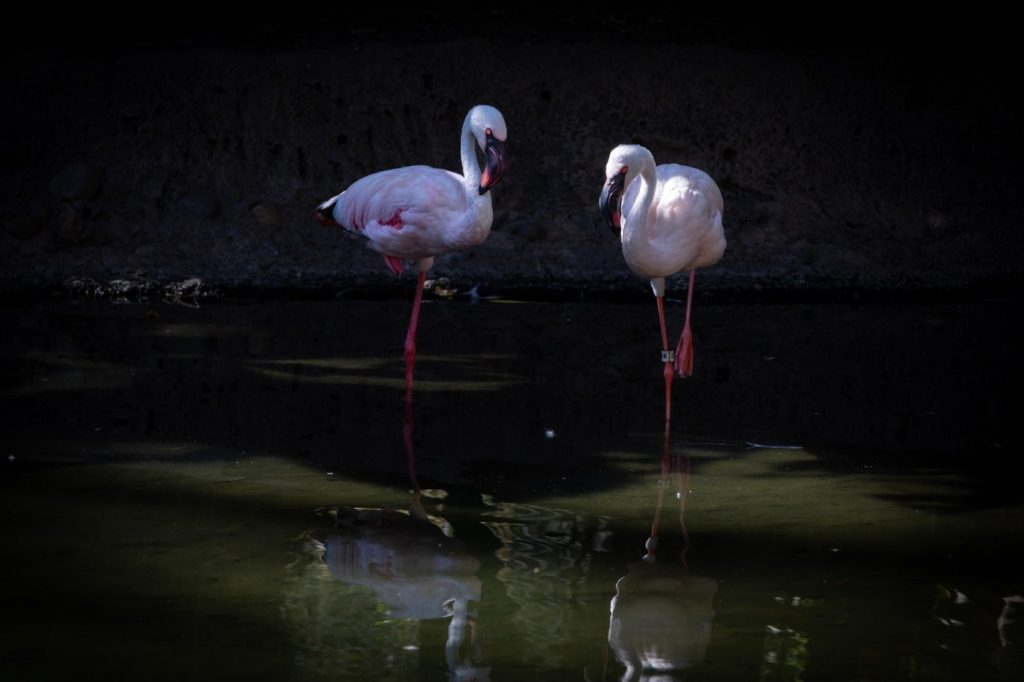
(661,613)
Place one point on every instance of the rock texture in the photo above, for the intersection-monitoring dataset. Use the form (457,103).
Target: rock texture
(845,165)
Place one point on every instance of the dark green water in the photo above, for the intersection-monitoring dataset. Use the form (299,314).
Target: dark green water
(224,492)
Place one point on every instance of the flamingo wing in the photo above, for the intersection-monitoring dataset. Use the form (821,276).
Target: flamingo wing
(685,221)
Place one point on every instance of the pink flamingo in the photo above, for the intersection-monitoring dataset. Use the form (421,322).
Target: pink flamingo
(669,218)
(419,212)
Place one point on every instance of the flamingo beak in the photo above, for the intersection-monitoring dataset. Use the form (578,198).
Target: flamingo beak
(495,163)
(610,202)
(325,213)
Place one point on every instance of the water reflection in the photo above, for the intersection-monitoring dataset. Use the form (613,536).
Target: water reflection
(661,613)
(169,550)
(1011,618)
(415,568)
(545,556)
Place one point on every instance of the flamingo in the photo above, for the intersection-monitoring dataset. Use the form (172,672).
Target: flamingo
(415,213)
(669,218)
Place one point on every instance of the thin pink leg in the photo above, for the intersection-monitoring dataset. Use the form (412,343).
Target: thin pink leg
(684,351)
(410,337)
(668,363)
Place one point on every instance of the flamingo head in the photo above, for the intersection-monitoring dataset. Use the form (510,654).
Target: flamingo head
(610,202)
(488,126)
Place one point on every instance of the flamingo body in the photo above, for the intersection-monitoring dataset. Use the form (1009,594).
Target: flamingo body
(414,212)
(669,216)
(682,229)
(419,212)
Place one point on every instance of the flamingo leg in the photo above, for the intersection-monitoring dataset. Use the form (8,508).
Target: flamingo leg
(410,337)
(684,351)
(666,355)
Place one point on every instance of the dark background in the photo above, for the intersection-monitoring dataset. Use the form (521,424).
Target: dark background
(185,147)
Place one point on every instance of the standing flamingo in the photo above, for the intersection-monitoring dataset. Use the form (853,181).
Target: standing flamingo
(670,220)
(419,212)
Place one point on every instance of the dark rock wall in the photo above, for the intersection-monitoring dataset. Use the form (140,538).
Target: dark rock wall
(846,165)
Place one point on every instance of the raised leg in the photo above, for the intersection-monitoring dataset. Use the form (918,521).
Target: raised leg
(666,357)
(410,337)
(684,350)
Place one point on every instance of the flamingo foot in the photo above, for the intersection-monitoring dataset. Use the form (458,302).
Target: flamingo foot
(684,353)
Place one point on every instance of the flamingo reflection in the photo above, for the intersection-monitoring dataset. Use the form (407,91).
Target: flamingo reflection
(414,566)
(661,613)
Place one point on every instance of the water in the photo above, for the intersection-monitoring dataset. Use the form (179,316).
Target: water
(227,492)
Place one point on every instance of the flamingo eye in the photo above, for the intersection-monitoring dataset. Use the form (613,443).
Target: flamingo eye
(624,169)
(488,132)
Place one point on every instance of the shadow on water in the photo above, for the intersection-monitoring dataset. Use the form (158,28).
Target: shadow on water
(240,490)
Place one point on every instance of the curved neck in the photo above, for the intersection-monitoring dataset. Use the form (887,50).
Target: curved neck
(470,164)
(636,219)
